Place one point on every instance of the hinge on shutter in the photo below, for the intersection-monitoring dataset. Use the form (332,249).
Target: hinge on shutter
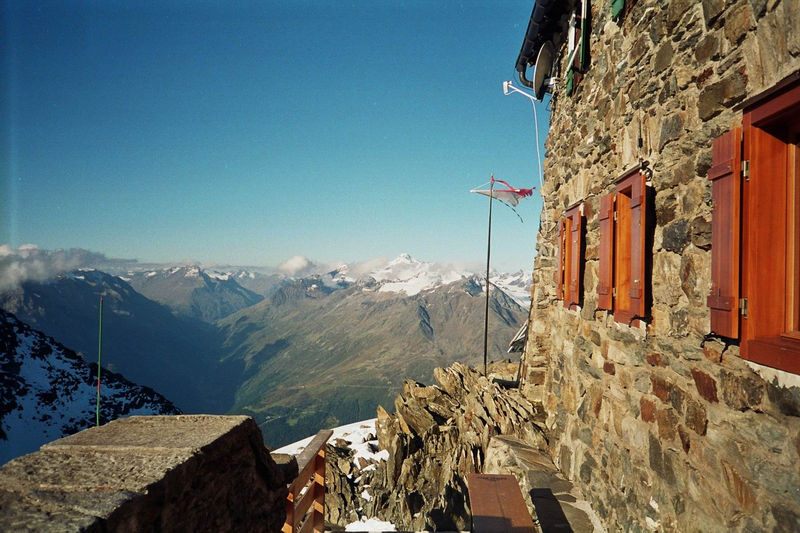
(614,292)
(746,169)
(615,216)
(743,307)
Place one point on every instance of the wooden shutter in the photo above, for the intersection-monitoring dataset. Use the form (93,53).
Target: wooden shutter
(561,270)
(725,176)
(605,276)
(576,244)
(638,207)
(616,8)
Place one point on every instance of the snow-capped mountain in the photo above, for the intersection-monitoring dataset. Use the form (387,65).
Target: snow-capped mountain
(143,339)
(404,274)
(517,285)
(194,292)
(48,391)
(409,276)
(356,342)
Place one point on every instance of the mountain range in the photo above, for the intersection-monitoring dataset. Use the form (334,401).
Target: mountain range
(316,356)
(193,292)
(144,340)
(49,391)
(304,352)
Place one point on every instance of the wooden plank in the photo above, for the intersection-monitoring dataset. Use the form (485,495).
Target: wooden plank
(497,504)
(638,287)
(303,503)
(622,259)
(310,452)
(725,225)
(311,467)
(605,281)
(561,251)
(308,525)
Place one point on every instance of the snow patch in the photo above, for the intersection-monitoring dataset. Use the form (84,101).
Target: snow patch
(370,524)
(357,433)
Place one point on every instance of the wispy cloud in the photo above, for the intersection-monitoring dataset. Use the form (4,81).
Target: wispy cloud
(31,263)
(298,266)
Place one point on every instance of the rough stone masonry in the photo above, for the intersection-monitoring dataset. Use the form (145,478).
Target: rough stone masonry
(662,430)
(148,473)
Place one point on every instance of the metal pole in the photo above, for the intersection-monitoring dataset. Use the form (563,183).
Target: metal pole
(99,352)
(486,312)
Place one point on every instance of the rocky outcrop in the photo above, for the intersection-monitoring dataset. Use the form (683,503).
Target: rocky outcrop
(437,435)
(153,473)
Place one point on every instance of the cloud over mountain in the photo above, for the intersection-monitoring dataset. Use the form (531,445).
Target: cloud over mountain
(298,266)
(31,263)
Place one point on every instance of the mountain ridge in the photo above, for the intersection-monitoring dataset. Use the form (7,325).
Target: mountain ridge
(316,356)
(49,391)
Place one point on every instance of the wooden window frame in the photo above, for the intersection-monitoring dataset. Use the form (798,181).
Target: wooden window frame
(570,256)
(623,277)
(770,330)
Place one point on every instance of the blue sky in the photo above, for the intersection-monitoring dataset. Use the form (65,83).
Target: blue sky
(249,132)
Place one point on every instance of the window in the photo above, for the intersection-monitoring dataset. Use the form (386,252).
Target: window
(756,231)
(624,240)
(578,52)
(570,256)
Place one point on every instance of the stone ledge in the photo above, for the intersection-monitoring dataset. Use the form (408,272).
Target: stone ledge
(170,473)
(543,487)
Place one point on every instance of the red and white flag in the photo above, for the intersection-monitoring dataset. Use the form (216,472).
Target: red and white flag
(510,195)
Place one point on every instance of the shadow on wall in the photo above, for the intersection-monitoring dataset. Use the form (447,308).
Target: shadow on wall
(548,510)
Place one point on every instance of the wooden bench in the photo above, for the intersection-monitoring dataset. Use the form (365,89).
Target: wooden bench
(497,504)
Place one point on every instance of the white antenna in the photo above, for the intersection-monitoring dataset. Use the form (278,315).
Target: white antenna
(508,88)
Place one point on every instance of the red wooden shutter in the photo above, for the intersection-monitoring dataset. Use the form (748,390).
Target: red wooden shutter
(605,275)
(561,269)
(725,176)
(638,206)
(575,257)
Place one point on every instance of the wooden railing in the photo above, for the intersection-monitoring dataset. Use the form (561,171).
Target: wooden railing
(305,505)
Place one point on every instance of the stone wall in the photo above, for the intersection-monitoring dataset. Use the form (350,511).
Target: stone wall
(148,473)
(438,434)
(662,430)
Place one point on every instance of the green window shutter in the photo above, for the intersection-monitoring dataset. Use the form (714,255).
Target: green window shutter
(616,8)
(570,81)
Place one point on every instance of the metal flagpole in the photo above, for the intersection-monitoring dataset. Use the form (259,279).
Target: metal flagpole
(486,312)
(99,351)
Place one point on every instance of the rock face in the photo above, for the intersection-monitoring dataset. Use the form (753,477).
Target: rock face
(165,473)
(661,429)
(438,434)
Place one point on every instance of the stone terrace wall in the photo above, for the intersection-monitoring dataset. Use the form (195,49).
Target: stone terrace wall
(663,432)
(437,435)
(149,473)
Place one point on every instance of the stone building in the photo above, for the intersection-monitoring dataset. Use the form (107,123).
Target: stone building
(665,324)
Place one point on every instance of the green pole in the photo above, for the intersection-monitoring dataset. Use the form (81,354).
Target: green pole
(99,352)
(486,312)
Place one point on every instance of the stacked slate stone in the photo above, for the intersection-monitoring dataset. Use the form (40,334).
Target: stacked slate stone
(438,434)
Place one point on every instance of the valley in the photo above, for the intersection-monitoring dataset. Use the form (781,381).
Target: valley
(315,351)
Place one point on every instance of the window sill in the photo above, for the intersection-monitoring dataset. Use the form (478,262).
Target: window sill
(777,352)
